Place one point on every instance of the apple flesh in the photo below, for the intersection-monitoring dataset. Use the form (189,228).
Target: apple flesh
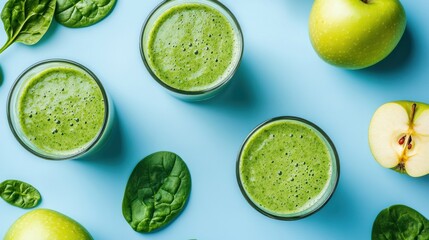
(356,34)
(45,224)
(399,137)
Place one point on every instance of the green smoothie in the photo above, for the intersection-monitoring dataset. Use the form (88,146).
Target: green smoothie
(61,110)
(192,47)
(285,167)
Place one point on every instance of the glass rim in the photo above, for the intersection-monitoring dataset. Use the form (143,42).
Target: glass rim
(12,126)
(321,202)
(199,92)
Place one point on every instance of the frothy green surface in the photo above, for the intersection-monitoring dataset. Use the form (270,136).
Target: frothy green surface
(191,47)
(61,110)
(285,167)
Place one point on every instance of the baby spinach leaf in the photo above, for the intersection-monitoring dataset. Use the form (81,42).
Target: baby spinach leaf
(26,21)
(19,194)
(82,13)
(400,222)
(156,192)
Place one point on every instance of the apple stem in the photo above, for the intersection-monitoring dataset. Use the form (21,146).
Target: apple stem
(413,112)
(365,1)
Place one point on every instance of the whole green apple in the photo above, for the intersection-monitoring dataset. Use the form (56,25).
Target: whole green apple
(399,137)
(356,34)
(45,224)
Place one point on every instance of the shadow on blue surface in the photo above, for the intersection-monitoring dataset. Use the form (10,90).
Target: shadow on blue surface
(341,206)
(398,60)
(300,8)
(240,93)
(424,181)
(111,153)
(1,76)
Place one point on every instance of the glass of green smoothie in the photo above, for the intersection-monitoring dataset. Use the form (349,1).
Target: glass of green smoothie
(191,47)
(58,109)
(287,168)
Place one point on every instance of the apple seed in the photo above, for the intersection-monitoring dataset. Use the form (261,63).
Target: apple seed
(410,145)
(402,140)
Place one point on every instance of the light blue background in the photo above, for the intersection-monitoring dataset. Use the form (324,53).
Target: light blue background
(280,74)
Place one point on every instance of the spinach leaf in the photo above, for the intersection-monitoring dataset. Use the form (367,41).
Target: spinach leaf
(400,222)
(82,13)
(26,21)
(156,192)
(19,194)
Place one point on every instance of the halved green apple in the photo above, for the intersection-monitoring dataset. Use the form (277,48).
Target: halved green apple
(399,137)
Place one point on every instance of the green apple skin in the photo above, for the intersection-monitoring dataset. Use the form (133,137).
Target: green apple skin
(355,34)
(46,224)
